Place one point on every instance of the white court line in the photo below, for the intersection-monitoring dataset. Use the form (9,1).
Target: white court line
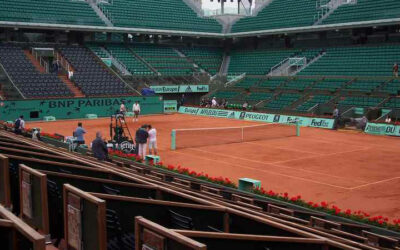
(317,156)
(374,183)
(261,170)
(279,166)
(284,148)
(349,143)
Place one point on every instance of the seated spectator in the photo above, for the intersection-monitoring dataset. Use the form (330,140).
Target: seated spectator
(214,103)
(99,147)
(245,105)
(203,102)
(223,103)
(36,134)
(388,119)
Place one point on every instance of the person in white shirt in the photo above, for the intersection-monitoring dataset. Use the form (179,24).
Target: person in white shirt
(122,109)
(152,140)
(214,102)
(36,134)
(388,119)
(136,111)
(70,74)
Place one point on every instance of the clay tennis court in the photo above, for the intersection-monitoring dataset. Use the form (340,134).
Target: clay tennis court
(349,169)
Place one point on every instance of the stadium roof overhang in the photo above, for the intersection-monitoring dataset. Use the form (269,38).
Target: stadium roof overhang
(305,29)
(317,28)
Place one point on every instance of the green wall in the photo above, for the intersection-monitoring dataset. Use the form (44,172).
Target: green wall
(75,108)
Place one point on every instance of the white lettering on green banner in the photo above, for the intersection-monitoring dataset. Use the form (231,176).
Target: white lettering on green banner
(260,117)
(382,129)
(170,106)
(180,89)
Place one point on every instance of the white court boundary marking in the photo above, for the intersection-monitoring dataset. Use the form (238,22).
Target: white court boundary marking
(285,167)
(295,177)
(261,170)
(375,183)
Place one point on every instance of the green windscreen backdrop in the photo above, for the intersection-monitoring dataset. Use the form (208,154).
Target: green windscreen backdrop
(34,110)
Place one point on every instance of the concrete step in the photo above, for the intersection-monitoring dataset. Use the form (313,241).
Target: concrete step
(35,62)
(74,89)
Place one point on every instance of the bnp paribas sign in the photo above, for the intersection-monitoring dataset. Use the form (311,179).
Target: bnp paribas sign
(165,89)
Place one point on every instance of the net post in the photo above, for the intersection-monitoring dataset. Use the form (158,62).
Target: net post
(173,139)
(297,128)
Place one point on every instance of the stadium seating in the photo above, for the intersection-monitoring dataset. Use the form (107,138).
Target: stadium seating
(49,11)
(257,62)
(330,84)
(207,58)
(367,86)
(392,103)
(282,101)
(259,96)
(158,14)
(392,87)
(90,75)
(164,59)
(355,61)
(226,94)
(361,101)
(365,10)
(125,56)
(247,83)
(273,83)
(279,14)
(317,99)
(27,78)
(107,195)
(299,84)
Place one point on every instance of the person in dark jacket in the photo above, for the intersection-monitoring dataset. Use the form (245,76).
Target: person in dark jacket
(141,140)
(99,147)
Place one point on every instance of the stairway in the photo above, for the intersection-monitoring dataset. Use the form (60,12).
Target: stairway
(35,62)
(2,97)
(100,14)
(74,89)
(308,64)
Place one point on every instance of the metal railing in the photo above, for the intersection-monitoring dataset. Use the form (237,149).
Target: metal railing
(42,62)
(12,82)
(63,62)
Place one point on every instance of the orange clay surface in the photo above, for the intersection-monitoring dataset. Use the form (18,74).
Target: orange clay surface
(348,169)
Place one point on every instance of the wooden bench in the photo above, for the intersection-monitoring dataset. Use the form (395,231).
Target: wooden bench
(380,241)
(33,199)
(84,220)
(216,241)
(23,236)
(154,236)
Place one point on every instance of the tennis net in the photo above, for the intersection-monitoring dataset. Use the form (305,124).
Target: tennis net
(199,137)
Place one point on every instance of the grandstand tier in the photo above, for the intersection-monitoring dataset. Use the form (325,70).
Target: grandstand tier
(168,15)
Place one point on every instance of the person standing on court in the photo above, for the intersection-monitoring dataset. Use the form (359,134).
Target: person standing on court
(141,140)
(136,111)
(336,116)
(99,147)
(79,134)
(152,140)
